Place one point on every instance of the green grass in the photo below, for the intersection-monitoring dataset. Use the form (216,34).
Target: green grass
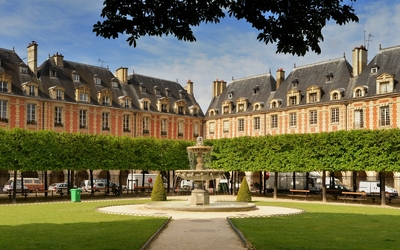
(324,227)
(74,226)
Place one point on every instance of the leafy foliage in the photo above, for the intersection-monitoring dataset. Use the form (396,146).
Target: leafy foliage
(244,194)
(296,26)
(158,193)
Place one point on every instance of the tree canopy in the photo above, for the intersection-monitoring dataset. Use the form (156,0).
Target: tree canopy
(296,26)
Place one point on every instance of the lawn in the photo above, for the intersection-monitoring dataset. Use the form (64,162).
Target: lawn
(324,227)
(74,226)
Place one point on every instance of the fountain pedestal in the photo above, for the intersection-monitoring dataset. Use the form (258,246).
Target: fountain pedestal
(199,197)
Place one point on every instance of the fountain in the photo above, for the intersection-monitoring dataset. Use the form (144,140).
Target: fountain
(200,197)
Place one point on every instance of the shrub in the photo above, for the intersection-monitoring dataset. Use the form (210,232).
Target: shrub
(244,192)
(159,193)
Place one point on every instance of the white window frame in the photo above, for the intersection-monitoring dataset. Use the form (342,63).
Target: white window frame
(240,125)
(313,119)
(126,125)
(3,86)
(180,128)
(82,118)
(105,121)
(211,128)
(257,123)
(3,109)
(58,116)
(292,119)
(274,121)
(384,116)
(335,115)
(359,118)
(84,97)
(225,127)
(146,125)
(31,113)
(164,126)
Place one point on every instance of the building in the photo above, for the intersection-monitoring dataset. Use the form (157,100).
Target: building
(321,97)
(66,96)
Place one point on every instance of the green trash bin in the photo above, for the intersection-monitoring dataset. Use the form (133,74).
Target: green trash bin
(75,195)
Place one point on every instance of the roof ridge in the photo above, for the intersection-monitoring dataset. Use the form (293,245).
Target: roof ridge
(87,65)
(319,63)
(250,77)
(155,78)
(389,48)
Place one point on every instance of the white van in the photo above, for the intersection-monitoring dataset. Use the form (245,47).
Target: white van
(374,187)
(136,180)
(30,183)
(86,184)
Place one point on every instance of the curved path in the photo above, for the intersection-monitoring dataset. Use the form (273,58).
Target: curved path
(199,230)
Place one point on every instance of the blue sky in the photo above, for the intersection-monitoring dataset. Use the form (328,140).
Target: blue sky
(223,51)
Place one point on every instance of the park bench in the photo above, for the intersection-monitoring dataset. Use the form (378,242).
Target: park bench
(334,192)
(375,195)
(23,193)
(353,196)
(299,193)
(37,191)
(146,189)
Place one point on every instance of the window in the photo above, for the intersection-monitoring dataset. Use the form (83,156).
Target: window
(180,110)
(53,73)
(3,86)
(359,118)
(31,90)
(226,109)
(59,94)
(256,122)
(164,108)
(211,128)
(329,77)
(195,130)
(359,93)
(82,118)
(335,96)
(76,77)
(256,89)
(106,101)
(127,127)
(292,100)
(195,112)
(226,126)
(385,116)
(180,128)
(313,117)
(273,104)
(384,87)
(292,119)
(164,127)
(84,97)
(241,107)
(274,121)
(58,117)
(145,105)
(105,118)
(24,70)
(241,125)
(313,97)
(97,81)
(146,122)
(31,114)
(127,103)
(335,115)
(114,84)
(3,111)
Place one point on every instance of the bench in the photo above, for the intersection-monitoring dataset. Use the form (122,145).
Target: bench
(353,196)
(299,193)
(334,192)
(147,189)
(375,195)
(37,191)
(23,193)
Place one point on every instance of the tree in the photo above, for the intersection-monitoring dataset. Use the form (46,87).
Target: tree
(244,194)
(295,25)
(158,193)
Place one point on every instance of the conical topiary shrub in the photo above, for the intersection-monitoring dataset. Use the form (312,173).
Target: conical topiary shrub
(244,192)
(159,193)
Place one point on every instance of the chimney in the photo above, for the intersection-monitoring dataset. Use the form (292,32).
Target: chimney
(280,77)
(215,88)
(359,60)
(122,74)
(222,86)
(32,56)
(58,60)
(189,87)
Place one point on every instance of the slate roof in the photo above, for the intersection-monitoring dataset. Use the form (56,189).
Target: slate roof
(10,63)
(244,88)
(315,74)
(151,83)
(388,61)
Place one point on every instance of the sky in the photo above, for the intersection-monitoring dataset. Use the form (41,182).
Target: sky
(225,51)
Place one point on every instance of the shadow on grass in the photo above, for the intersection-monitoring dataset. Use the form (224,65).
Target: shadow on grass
(340,228)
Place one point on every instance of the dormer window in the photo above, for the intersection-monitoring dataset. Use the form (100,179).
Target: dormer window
(30,88)
(104,97)
(256,89)
(144,104)
(163,105)
(360,91)
(168,92)
(96,80)
(125,101)
(181,94)
(293,97)
(194,110)
(313,94)
(275,103)
(384,83)
(157,90)
(57,92)
(335,96)
(142,88)
(329,77)
(241,104)
(230,95)
(114,84)
(295,83)
(3,86)
(375,68)
(75,76)
(52,73)
(82,94)
(180,107)
(23,69)
(227,107)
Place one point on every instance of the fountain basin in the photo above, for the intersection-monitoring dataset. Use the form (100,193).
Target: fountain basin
(218,206)
(199,175)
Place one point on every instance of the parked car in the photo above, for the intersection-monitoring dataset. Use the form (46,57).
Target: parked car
(59,188)
(9,187)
